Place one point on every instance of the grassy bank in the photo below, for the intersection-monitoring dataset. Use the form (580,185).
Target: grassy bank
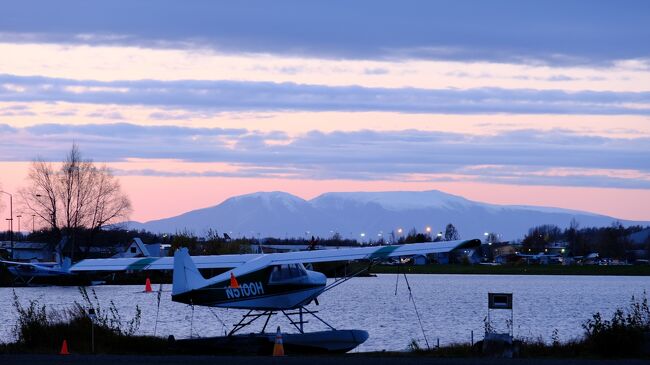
(632,270)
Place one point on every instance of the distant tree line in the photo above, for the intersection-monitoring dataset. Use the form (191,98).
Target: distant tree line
(612,241)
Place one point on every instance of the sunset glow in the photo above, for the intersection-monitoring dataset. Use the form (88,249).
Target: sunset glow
(187,117)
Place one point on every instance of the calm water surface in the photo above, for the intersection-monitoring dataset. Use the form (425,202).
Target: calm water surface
(450,306)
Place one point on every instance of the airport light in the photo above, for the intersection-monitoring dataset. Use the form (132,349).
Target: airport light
(11,221)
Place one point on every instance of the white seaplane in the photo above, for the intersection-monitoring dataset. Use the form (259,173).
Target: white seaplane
(268,284)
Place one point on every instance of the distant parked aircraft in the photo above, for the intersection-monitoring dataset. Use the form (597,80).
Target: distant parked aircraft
(27,271)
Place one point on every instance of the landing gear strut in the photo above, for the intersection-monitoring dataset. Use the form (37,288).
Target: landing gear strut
(298,322)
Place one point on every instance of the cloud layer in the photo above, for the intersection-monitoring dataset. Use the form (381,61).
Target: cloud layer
(267,96)
(521,157)
(571,31)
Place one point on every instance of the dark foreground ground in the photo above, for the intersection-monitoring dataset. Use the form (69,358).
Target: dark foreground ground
(351,359)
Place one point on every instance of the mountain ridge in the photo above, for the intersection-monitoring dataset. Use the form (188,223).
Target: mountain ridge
(367,215)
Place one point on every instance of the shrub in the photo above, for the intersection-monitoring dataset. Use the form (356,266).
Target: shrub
(622,336)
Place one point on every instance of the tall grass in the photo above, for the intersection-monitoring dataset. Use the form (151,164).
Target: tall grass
(42,331)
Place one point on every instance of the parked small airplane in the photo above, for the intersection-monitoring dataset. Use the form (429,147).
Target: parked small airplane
(279,281)
(268,284)
(27,271)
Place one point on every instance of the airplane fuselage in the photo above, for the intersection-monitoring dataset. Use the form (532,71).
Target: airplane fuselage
(277,287)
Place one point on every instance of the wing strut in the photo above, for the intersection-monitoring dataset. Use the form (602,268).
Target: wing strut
(343,280)
(412,299)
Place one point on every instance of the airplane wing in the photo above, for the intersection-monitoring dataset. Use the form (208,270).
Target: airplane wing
(348,254)
(160,263)
(369,253)
(17,263)
(250,262)
(31,270)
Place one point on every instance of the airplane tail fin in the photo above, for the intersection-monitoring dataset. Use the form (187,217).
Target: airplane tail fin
(186,276)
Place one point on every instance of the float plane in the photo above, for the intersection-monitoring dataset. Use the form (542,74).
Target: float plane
(27,271)
(268,284)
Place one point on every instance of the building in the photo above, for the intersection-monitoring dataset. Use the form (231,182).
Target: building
(138,249)
(29,251)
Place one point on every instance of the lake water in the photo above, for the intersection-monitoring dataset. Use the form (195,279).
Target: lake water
(450,307)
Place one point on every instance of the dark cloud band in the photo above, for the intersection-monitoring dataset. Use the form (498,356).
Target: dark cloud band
(570,31)
(518,157)
(268,96)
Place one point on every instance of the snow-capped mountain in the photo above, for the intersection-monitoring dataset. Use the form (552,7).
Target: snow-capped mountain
(367,215)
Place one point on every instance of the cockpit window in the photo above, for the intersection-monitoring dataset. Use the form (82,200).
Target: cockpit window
(287,272)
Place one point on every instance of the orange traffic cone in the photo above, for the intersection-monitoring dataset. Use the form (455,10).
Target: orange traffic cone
(64,348)
(147,286)
(233,281)
(278,347)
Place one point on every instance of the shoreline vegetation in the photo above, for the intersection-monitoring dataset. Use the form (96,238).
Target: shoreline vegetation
(40,330)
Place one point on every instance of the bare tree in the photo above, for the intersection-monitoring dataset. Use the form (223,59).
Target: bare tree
(78,195)
(451,233)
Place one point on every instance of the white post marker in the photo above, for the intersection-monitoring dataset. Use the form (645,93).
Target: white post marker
(93,317)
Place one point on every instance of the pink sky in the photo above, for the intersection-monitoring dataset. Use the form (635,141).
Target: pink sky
(512,152)
(161,197)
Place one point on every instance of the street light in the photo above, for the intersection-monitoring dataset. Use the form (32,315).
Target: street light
(18,216)
(33,219)
(11,221)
